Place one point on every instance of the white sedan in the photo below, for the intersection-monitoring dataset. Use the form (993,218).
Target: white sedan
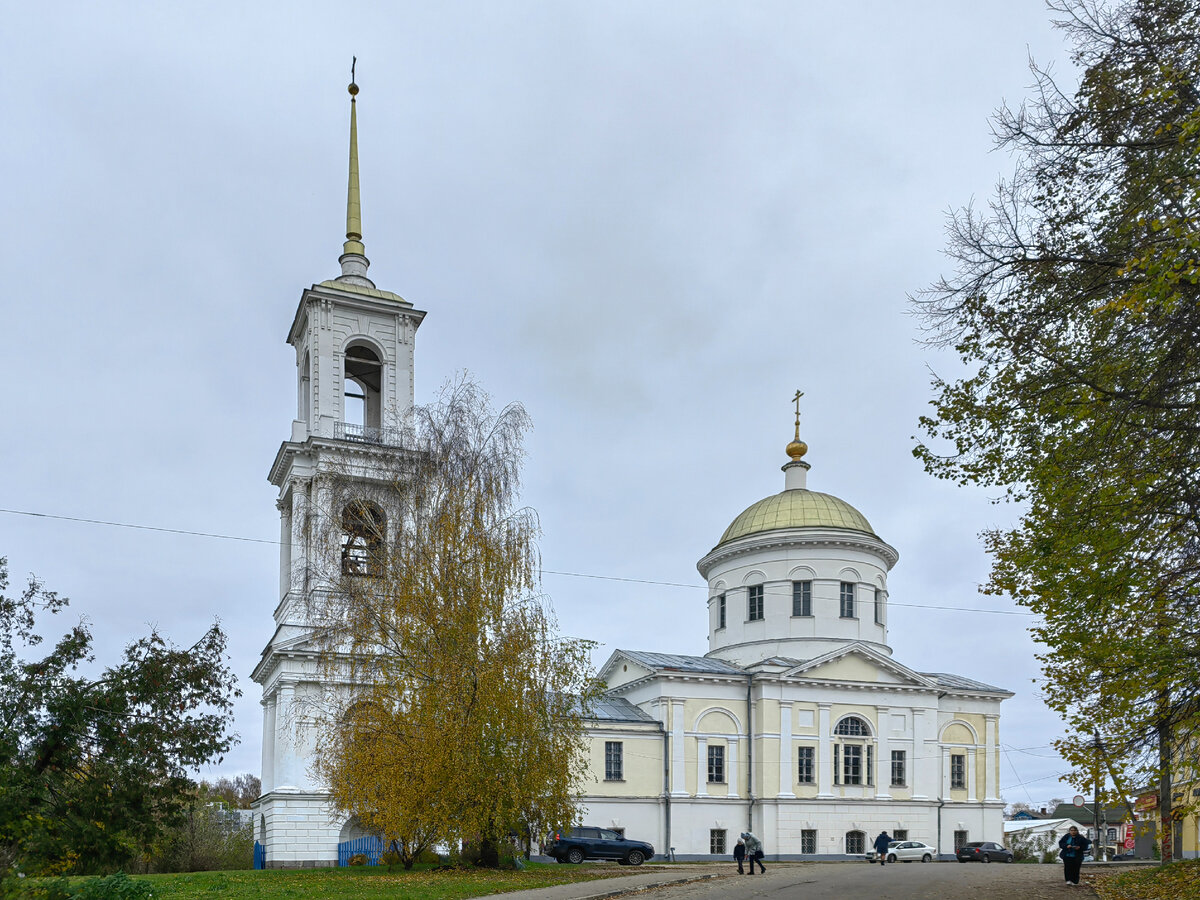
(907,851)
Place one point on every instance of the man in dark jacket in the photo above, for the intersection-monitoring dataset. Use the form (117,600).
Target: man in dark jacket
(739,854)
(1073,846)
(881,847)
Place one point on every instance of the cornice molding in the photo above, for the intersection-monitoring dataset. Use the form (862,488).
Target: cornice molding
(797,537)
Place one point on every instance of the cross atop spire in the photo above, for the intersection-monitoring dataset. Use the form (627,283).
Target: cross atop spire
(354,259)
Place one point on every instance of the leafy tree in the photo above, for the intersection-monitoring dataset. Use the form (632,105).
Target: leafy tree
(208,836)
(1076,310)
(459,718)
(91,768)
(237,792)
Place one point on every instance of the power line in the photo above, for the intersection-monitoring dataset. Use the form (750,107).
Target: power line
(649,581)
(184,531)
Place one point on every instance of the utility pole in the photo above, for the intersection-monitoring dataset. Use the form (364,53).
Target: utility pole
(1097,854)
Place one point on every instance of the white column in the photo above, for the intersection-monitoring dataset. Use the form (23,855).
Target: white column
(285,547)
(824,757)
(786,764)
(883,752)
(678,781)
(702,767)
(991,760)
(285,739)
(923,765)
(731,775)
(299,559)
(972,791)
(268,744)
(945,773)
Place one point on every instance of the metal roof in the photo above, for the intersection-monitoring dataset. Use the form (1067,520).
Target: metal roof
(618,709)
(796,509)
(944,679)
(677,663)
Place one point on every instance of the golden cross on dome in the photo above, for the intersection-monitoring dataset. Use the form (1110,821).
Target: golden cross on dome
(799,394)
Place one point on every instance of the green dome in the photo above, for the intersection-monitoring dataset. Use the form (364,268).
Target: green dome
(796,509)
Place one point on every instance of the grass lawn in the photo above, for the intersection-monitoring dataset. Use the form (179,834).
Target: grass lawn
(367,882)
(1178,881)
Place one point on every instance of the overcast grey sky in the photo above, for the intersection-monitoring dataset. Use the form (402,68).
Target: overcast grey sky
(648,222)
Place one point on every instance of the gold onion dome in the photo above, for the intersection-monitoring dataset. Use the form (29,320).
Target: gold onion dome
(796,449)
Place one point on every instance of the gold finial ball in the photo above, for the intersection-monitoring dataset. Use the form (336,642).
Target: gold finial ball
(353,89)
(797,449)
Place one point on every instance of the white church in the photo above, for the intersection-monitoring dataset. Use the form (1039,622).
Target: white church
(797,724)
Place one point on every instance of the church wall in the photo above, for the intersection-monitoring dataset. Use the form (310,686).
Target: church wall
(642,751)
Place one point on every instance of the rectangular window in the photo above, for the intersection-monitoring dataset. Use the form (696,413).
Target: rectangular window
(614,762)
(808,840)
(852,764)
(878,606)
(801,598)
(805,773)
(958,770)
(721,611)
(754,597)
(716,841)
(899,764)
(847,600)
(870,773)
(960,838)
(900,834)
(716,765)
(1111,836)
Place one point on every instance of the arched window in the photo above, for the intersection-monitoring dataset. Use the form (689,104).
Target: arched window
(361,386)
(856,843)
(364,528)
(853,755)
(853,726)
(305,404)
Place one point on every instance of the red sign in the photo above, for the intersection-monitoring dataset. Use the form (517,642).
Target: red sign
(1128,843)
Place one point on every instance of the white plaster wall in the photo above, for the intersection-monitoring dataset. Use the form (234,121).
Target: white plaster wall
(815,555)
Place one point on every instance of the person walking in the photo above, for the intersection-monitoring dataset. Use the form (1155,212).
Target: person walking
(754,851)
(881,847)
(1073,846)
(739,854)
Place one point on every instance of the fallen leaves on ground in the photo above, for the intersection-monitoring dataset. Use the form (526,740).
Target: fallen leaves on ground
(1177,881)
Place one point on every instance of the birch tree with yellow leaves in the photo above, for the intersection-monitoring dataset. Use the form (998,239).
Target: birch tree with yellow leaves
(458,709)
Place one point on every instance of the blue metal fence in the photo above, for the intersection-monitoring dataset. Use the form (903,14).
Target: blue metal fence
(370,847)
(260,856)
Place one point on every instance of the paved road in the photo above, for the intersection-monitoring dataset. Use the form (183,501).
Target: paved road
(831,881)
(914,881)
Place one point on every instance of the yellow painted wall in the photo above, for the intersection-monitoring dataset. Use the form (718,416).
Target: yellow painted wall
(848,668)
(643,766)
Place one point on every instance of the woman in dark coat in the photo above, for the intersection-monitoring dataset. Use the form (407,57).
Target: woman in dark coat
(1073,846)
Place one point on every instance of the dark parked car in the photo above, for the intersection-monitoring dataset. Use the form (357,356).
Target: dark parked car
(585,842)
(983,851)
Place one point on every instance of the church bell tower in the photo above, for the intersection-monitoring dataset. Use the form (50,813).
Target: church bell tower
(354,377)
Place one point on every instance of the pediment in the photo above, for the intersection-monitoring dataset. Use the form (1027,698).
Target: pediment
(622,669)
(857,663)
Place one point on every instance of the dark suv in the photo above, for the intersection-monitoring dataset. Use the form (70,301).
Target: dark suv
(585,842)
(984,851)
